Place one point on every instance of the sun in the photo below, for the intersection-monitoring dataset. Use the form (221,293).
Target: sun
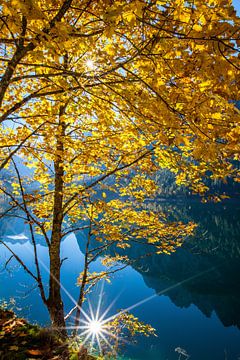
(95,326)
(90,64)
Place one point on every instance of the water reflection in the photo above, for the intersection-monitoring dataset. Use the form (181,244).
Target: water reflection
(216,247)
(211,258)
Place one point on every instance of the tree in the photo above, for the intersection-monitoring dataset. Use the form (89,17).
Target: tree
(96,96)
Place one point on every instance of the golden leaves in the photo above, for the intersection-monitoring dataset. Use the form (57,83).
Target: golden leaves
(29,8)
(205,85)
(155,96)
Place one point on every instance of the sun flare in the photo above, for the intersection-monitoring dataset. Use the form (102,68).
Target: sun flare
(90,64)
(95,326)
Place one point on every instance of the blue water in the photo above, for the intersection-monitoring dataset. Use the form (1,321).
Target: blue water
(201,315)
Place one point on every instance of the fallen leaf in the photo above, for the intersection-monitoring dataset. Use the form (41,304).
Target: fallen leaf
(34,352)
(22,334)
(13,348)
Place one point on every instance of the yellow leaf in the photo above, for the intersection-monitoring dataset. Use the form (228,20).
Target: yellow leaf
(197,27)
(217,116)
(204,85)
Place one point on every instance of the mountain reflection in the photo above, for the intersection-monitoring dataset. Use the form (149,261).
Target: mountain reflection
(211,258)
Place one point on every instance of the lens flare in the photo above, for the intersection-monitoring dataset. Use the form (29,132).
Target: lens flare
(95,326)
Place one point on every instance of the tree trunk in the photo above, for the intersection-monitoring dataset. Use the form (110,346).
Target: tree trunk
(84,282)
(55,304)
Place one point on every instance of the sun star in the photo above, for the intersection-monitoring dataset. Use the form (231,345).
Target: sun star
(95,326)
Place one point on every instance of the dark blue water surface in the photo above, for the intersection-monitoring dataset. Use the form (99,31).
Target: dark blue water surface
(192,298)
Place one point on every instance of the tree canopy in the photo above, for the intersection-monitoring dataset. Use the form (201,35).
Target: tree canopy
(134,77)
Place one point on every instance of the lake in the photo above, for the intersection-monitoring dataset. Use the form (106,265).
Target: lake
(191,298)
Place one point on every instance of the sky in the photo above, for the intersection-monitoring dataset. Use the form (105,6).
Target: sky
(236,4)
